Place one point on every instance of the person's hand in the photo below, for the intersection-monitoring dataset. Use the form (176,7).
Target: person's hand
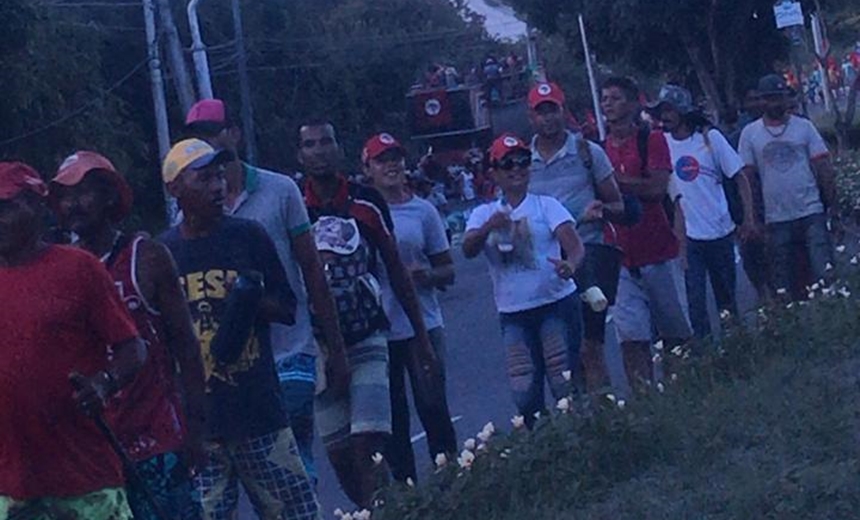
(91,393)
(194,454)
(499,220)
(594,211)
(428,363)
(563,268)
(835,226)
(423,278)
(749,231)
(337,373)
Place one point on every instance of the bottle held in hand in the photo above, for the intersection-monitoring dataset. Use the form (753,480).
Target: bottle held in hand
(504,237)
(240,316)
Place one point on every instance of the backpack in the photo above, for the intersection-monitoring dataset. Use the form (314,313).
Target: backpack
(730,185)
(350,261)
(632,206)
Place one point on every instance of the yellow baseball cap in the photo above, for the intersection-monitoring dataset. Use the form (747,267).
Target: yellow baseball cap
(191,153)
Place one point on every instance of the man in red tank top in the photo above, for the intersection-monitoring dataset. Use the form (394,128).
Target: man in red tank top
(91,198)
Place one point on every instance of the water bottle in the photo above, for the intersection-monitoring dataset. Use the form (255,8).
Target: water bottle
(505,240)
(239,318)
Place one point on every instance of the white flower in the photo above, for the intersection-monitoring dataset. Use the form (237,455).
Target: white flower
(657,358)
(410,482)
(518,421)
(469,444)
(611,397)
(844,292)
(364,514)
(490,428)
(781,291)
(338,512)
(484,435)
(566,375)
(377,458)
(725,314)
(660,387)
(346,516)
(678,351)
(482,447)
(840,248)
(563,405)
(466,459)
(536,415)
(674,377)
(658,345)
(621,404)
(441,460)
(814,287)
(855,260)
(828,291)
(811,296)
(504,455)
(828,267)
(789,305)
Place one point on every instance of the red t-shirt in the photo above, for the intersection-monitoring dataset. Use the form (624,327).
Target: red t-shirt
(59,314)
(651,241)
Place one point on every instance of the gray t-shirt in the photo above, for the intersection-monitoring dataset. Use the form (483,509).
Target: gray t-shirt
(274,200)
(566,178)
(420,234)
(782,156)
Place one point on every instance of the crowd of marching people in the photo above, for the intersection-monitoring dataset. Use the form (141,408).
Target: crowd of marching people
(152,377)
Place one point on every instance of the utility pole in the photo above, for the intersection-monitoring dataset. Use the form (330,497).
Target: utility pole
(244,85)
(198,49)
(159,103)
(181,77)
(592,80)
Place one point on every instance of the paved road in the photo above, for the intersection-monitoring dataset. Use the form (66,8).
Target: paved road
(477,385)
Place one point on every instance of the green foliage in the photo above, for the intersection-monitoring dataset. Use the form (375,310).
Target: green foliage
(765,427)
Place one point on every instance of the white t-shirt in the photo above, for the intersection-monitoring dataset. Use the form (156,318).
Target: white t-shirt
(523,278)
(698,172)
(782,154)
(420,234)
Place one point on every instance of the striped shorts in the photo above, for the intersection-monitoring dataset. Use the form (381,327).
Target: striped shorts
(367,408)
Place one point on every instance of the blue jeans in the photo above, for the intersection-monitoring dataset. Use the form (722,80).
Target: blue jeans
(543,343)
(808,234)
(298,385)
(714,259)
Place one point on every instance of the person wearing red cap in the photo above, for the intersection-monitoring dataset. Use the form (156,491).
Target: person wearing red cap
(523,237)
(651,292)
(61,318)
(275,201)
(579,174)
(164,439)
(424,250)
(353,231)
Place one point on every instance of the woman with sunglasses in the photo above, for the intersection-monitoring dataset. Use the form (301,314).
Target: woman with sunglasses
(523,236)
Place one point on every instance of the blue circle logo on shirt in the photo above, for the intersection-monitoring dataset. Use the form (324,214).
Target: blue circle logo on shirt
(687,168)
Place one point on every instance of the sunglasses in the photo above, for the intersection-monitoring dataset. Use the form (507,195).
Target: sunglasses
(509,163)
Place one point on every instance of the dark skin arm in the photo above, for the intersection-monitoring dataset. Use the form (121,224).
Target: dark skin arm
(439,276)
(91,392)
(323,307)
(749,229)
(651,187)
(608,204)
(822,167)
(573,249)
(680,230)
(159,277)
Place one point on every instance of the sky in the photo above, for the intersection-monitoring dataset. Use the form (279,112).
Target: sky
(501,21)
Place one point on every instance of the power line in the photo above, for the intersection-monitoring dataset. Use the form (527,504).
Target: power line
(80,110)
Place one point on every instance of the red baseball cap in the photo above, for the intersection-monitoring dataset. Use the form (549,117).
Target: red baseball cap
(207,110)
(16,177)
(505,144)
(546,93)
(76,166)
(378,145)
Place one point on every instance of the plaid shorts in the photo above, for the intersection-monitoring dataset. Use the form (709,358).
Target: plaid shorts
(367,408)
(270,470)
(104,504)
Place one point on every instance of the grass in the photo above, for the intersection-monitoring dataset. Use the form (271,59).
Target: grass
(765,429)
